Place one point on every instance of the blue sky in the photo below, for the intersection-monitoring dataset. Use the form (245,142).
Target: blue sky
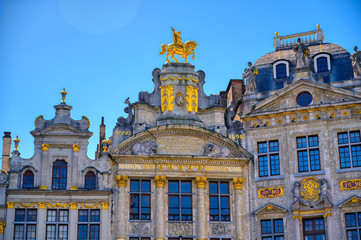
(103,51)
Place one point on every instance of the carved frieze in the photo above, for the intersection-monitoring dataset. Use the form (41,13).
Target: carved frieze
(146,148)
(214,150)
(139,228)
(220,229)
(180,229)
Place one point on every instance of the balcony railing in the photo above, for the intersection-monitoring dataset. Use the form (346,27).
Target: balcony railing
(288,41)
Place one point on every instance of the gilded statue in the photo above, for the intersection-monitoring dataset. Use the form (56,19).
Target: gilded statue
(250,76)
(178,47)
(356,62)
(302,54)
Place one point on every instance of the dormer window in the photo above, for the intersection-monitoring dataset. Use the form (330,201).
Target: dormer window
(59,175)
(322,62)
(28,180)
(90,181)
(281,69)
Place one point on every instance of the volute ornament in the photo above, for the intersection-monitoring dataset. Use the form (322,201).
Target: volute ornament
(201,182)
(160,181)
(238,183)
(122,180)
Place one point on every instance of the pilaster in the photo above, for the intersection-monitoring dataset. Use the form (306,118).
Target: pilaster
(238,207)
(201,228)
(159,207)
(121,217)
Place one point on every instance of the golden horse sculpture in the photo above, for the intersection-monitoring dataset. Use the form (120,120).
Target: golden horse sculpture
(178,47)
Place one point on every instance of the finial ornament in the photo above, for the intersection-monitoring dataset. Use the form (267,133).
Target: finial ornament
(318,26)
(178,47)
(63,95)
(16,141)
(276,33)
(105,144)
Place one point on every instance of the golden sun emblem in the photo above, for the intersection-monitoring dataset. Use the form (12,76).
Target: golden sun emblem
(310,189)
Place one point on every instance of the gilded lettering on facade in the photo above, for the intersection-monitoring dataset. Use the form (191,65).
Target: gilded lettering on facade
(123,133)
(236,136)
(201,182)
(121,180)
(350,184)
(192,99)
(160,181)
(167,98)
(270,192)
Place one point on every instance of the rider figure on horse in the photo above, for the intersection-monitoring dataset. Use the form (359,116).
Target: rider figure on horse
(177,40)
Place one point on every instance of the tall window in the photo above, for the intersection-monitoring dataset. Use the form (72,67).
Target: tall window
(308,154)
(272,229)
(89,224)
(139,200)
(180,200)
(322,65)
(349,146)
(281,71)
(57,222)
(28,180)
(25,224)
(314,229)
(90,180)
(353,226)
(219,201)
(59,175)
(268,158)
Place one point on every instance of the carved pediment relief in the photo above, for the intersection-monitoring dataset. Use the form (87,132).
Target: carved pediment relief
(270,208)
(351,202)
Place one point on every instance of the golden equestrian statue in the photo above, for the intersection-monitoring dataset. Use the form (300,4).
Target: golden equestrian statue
(178,47)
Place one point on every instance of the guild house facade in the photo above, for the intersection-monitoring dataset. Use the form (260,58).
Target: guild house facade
(275,156)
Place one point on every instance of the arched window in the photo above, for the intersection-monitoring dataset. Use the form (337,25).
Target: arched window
(28,180)
(59,175)
(322,65)
(90,180)
(281,71)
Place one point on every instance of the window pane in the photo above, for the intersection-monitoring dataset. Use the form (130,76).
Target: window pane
(278,225)
(134,185)
(322,65)
(31,232)
(63,215)
(50,232)
(301,142)
(281,71)
(356,155)
(266,226)
(94,215)
(352,235)
(145,207)
(273,146)
(345,157)
(302,161)
(20,215)
(82,232)
(63,232)
(173,186)
(275,165)
(19,232)
(313,141)
(224,188)
(350,220)
(186,187)
(214,211)
(94,232)
(263,166)
(83,215)
(134,206)
(262,147)
(354,137)
(342,138)
(145,186)
(90,180)
(319,224)
(173,208)
(315,160)
(213,187)
(31,215)
(28,180)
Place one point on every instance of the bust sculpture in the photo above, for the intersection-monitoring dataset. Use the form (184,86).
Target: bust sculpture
(356,62)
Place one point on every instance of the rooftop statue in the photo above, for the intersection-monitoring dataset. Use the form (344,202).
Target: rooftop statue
(356,62)
(178,47)
(250,76)
(302,54)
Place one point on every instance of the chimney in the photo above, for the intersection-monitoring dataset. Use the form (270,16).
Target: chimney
(6,151)
(101,138)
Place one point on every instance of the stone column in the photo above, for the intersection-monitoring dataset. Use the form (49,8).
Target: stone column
(159,219)
(45,161)
(238,207)
(10,217)
(41,220)
(73,219)
(104,218)
(120,219)
(201,220)
(75,178)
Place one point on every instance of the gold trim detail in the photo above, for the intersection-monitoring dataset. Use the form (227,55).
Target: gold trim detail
(73,206)
(121,180)
(345,113)
(280,121)
(58,205)
(74,188)
(310,189)
(105,205)
(2,226)
(332,115)
(43,187)
(76,147)
(45,147)
(297,217)
(26,205)
(328,214)
(192,99)
(83,205)
(178,78)
(305,118)
(270,192)
(201,182)
(42,205)
(160,181)
(167,98)
(238,183)
(10,204)
(354,200)
(350,184)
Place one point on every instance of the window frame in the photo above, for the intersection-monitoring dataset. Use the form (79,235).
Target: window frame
(273,234)
(348,145)
(327,56)
(87,177)
(89,223)
(268,154)
(314,232)
(25,223)
(57,223)
(33,179)
(357,227)
(54,168)
(219,196)
(308,149)
(180,194)
(281,61)
(140,193)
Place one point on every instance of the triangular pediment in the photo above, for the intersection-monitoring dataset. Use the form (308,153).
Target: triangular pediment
(351,202)
(286,99)
(270,208)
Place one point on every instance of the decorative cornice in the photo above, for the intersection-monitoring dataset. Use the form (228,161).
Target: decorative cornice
(201,182)
(160,181)
(122,180)
(238,183)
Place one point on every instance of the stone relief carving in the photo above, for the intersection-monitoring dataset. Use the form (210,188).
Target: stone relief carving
(139,228)
(311,191)
(214,150)
(220,229)
(180,229)
(3,177)
(124,122)
(146,148)
(232,125)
